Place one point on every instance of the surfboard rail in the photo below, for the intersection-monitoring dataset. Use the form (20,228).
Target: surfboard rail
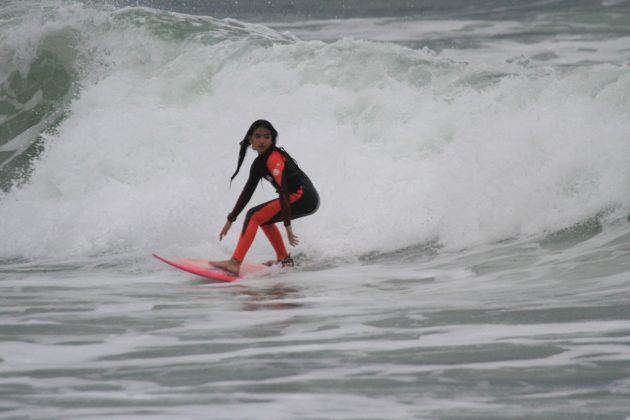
(201,267)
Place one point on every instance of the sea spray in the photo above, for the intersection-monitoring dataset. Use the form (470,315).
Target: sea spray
(406,147)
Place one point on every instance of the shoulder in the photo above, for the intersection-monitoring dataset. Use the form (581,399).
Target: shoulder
(274,157)
(274,160)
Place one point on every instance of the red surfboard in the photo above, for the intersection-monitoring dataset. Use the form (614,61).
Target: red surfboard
(204,269)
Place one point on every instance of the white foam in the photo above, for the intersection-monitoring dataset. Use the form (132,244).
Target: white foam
(404,147)
(547,40)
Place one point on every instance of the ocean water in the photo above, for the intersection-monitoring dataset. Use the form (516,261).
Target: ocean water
(470,258)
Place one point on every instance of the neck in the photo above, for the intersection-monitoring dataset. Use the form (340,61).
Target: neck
(269,150)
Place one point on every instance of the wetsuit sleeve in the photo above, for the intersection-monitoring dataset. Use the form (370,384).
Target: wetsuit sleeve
(246,195)
(275,165)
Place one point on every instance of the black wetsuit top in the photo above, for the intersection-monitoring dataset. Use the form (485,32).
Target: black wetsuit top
(277,167)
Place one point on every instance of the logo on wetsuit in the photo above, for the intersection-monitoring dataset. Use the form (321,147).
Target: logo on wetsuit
(276,170)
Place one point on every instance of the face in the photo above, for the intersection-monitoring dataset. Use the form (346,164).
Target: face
(260,140)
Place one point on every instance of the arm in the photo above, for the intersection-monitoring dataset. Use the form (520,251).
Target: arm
(242,201)
(275,164)
(293,239)
(225,230)
(245,196)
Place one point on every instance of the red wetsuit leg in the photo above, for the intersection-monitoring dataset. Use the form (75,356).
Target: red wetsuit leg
(275,237)
(256,218)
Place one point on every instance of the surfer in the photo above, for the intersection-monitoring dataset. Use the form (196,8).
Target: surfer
(296,197)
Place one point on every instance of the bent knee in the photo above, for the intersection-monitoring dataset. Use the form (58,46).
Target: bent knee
(255,218)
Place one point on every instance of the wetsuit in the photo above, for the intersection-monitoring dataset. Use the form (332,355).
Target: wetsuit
(296,198)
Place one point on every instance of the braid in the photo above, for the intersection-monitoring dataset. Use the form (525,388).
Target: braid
(241,156)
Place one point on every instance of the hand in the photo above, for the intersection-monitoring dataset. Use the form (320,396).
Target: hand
(293,239)
(225,230)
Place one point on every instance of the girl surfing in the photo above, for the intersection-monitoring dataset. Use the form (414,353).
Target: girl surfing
(296,197)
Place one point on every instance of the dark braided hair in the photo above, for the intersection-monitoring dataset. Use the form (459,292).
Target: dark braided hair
(245,142)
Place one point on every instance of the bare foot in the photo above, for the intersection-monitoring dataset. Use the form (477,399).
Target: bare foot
(231,266)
